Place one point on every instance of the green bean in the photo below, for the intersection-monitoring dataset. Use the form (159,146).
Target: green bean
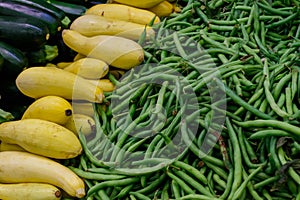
(237,164)
(95,176)
(202,15)
(90,156)
(139,196)
(218,170)
(289,103)
(132,197)
(192,182)
(153,185)
(268,133)
(221,27)
(265,182)
(138,92)
(251,190)
(228,184)
(244,152)
(273,10)
(103,195)
(252,53)
(241,102)
(126,132)
(294,130)
(124,192)
(269,96)
(218,180)
(113,79)
(283,21)
(198,152)
(232,22)
(175,189)
(114,183)
(193,171)
(252,99)
(278,88)
(181,183)
(164,193)
(183,15)
(242,187)
(274,161)
(197,197)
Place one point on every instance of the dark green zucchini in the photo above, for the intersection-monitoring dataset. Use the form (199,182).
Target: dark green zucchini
(77,2)
(1,62)
(42,56)
(90,3)
(14,60)
(47,7)
(23,32)
(72,10)
(11,8)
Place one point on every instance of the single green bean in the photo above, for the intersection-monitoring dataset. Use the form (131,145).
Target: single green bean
(294,130)
(237,162)
(113,183)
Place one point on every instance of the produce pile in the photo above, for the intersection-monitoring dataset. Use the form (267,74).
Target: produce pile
(158,100)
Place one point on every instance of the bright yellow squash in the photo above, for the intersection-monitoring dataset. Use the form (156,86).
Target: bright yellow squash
(38,82)
(89,68)
(140,3)
(51,108)
(24,167)
(41,137)
(116,51)
(105,84)
(93,25)
(162,9)
(81,123)
(85,108)
(123,12)
(10,147)
(29,191)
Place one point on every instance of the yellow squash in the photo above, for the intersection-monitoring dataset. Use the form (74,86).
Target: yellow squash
(105,84)
(41,137)
(63,65)
(162,9)
(37,82)
(140,3)
(10,147)
(116,51)
(78,56)
(29,191)
(123,12)
(89,68)
(51,108)
(24,167)
(81,122)
(85,108)
(93,25)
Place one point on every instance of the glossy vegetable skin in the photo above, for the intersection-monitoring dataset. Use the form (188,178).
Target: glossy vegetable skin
(23,33)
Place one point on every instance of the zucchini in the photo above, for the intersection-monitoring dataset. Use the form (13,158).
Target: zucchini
(11,8)
(1,62)
(72,10)
(14,60)
(41,56)
(78,2)
(23,33)
(91,3)
(48,8)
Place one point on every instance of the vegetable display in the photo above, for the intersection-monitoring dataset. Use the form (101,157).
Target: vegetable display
(141,100)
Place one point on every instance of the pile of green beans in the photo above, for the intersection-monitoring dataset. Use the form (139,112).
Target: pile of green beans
(213,112)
